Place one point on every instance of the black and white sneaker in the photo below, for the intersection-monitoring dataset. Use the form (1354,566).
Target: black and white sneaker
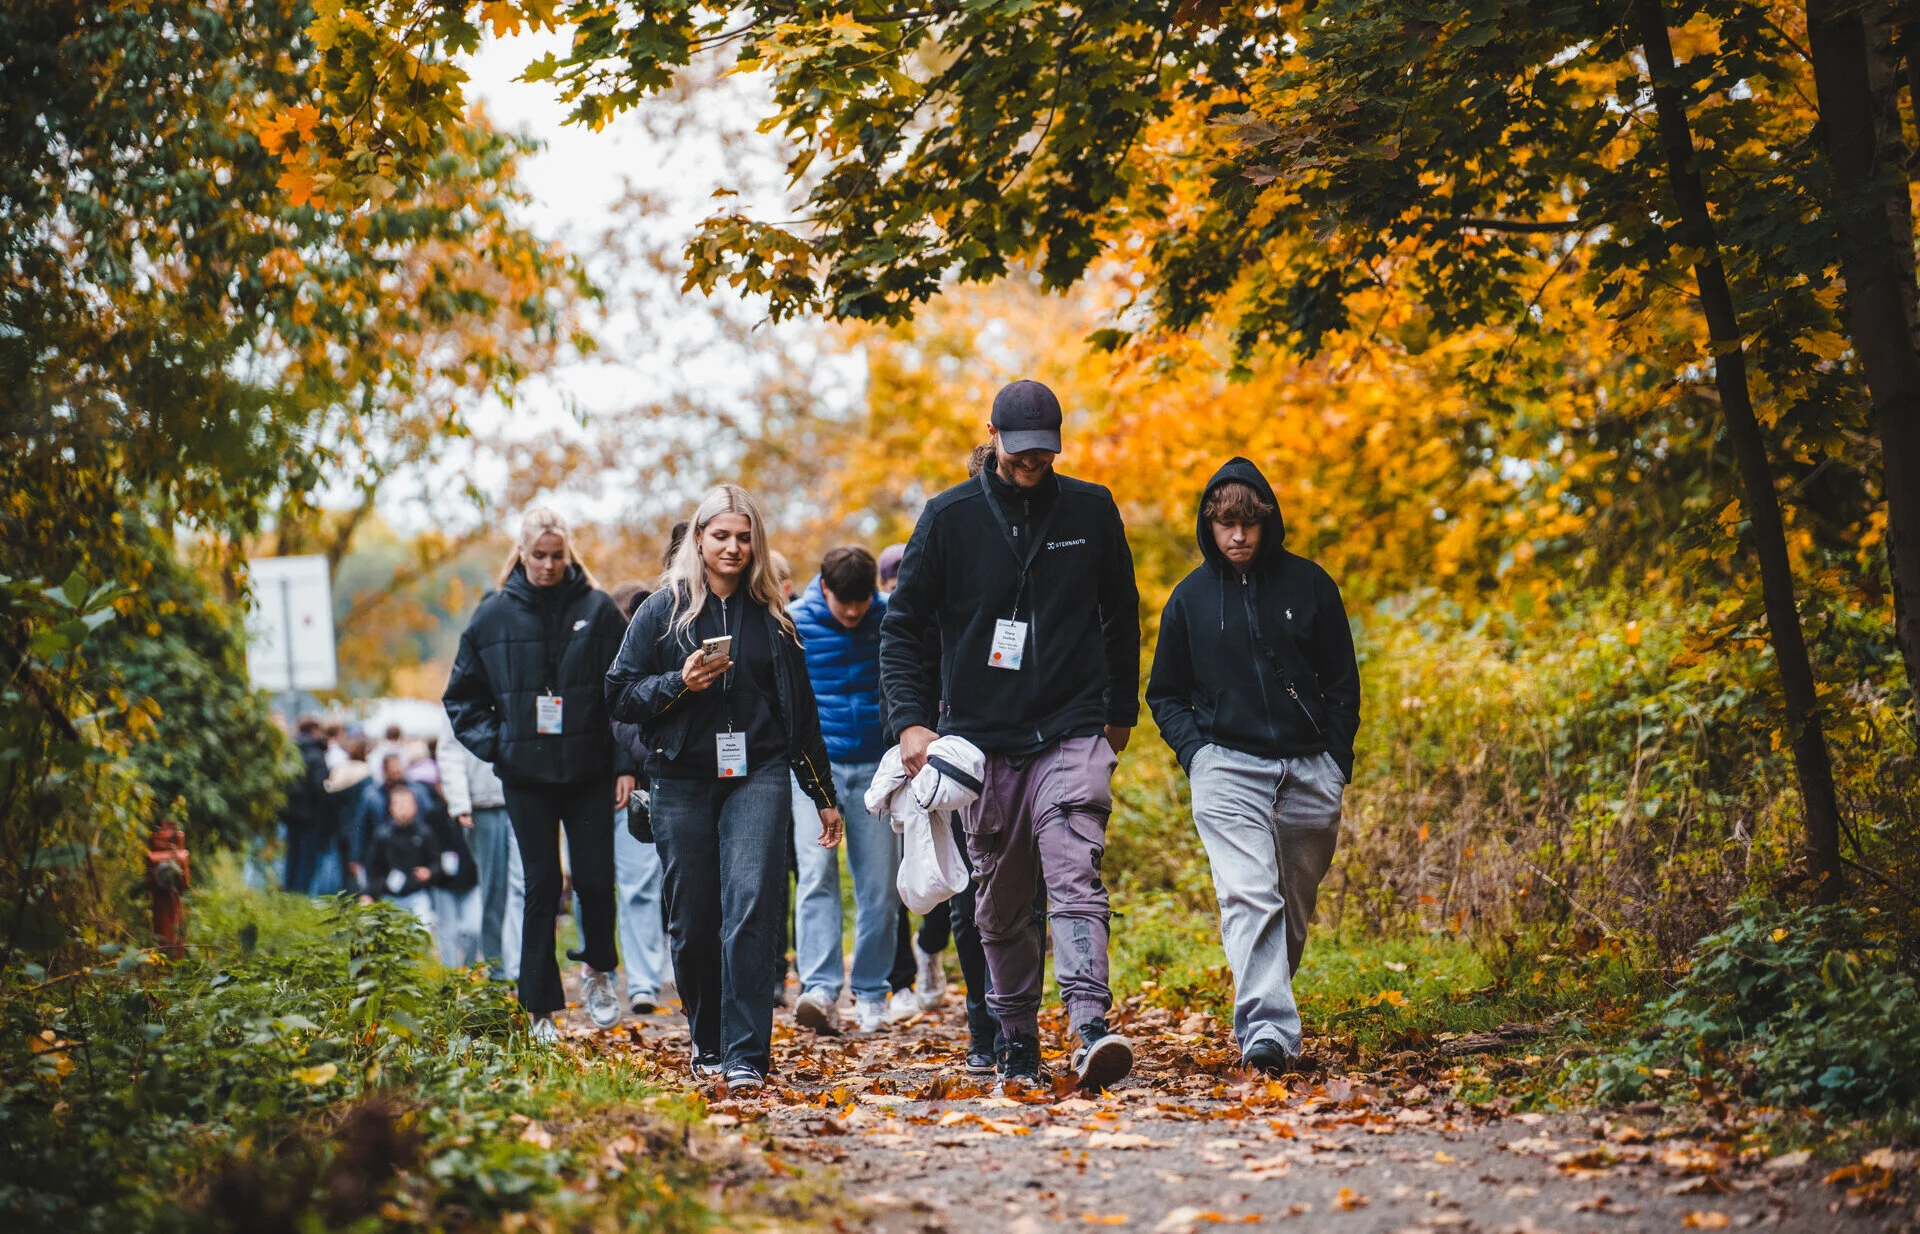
(742,1078)
(1020,1060)
(646,1004)
(706,1065)
(980,1060)
(1104,1057)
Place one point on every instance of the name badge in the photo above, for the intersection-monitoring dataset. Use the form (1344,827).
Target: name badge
(395,881)
(546,713)
(1009,644)
(730,752)
(449,864)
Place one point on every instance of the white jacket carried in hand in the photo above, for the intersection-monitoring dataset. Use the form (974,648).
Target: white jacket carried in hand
(922,810)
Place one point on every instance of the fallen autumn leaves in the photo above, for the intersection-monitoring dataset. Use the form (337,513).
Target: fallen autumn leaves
(1190,1141)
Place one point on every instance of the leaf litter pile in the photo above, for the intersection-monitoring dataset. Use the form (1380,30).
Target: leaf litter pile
(886,1132)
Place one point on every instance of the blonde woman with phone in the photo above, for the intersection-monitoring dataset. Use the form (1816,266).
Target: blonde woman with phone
(711,671)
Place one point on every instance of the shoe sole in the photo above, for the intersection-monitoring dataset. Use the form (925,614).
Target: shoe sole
(745,1086)
(812,1015)
(1107,1062)
(975,1069)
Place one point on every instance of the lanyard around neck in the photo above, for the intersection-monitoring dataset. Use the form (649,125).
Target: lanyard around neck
(1012,535)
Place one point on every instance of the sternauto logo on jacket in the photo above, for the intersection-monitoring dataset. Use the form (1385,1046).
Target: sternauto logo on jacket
(1053,544)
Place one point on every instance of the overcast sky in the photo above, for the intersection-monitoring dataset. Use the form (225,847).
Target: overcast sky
(574,184)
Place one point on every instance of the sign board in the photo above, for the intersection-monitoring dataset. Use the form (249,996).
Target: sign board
(290,626)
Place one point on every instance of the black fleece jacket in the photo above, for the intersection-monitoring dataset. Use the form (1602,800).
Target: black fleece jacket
(644,687)
(961,573)
(522,642)
(1214,683)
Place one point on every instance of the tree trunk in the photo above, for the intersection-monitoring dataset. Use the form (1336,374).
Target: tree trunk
(1695,230)
(1856,76)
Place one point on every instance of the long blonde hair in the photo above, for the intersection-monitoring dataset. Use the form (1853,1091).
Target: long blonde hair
(537,522)
(687,576)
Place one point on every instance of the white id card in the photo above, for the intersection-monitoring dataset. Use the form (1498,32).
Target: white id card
(449,864)
(546,713)
(395,881)
(1009,644)
(730,752)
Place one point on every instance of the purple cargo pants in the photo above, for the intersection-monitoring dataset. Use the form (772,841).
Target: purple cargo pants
(1043,818)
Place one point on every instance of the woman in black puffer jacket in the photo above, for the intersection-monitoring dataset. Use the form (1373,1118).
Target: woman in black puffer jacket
(723,734)
(526,695)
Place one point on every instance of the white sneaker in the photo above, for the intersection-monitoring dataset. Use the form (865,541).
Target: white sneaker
(544,1031)
(602,1003)
(930,979)
(903,1004)
(869,1015)
(816,1011)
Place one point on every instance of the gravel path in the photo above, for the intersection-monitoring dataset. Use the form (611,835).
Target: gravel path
(1189,1143)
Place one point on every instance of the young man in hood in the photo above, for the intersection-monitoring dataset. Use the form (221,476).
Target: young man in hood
(1016,625)
(1256,688)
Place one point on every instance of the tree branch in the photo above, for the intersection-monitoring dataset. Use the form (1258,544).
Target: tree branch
(1525,227)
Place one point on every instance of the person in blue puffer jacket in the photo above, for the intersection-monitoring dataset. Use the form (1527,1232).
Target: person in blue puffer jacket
(839,622)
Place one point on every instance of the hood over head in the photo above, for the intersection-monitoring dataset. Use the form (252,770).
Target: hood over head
(1273,532)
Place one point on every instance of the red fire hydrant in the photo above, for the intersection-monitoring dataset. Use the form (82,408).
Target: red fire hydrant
(167,879)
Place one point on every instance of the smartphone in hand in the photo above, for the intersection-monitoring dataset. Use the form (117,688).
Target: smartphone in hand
(718,649)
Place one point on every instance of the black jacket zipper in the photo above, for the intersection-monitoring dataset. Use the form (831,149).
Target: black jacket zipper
(1253,628)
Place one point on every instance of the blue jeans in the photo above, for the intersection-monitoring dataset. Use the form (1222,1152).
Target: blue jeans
(723,850)
(516,912)
(643,927)
(493,851)
(873,856)
(456,925)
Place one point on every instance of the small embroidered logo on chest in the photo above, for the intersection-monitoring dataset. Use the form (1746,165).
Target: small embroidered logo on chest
(1289,617)
(582,624)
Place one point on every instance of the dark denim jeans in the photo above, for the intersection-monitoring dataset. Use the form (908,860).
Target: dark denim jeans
(723,849)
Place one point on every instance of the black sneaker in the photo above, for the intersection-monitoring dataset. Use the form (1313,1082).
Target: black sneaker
(646,1004)
(1104,1057)
(742,1078)
(980,1060)
(706,1065)
(1269,1056)
(1020,1059)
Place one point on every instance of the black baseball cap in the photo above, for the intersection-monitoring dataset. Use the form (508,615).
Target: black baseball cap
(1027,417)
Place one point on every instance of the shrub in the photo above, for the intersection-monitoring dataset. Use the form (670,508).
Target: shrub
(1798,1008)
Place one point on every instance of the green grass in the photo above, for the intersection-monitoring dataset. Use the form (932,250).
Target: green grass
(1364,997)
(304,1051)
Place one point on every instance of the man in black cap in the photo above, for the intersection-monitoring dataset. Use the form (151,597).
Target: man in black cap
(1025,578)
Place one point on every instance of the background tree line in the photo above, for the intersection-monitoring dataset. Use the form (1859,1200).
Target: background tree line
(1663,251)
(1448,274)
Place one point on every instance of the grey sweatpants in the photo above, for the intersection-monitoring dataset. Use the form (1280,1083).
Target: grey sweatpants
(1270,826)
(1043,818)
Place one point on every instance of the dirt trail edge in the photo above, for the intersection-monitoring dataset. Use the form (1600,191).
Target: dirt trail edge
(1188,1142)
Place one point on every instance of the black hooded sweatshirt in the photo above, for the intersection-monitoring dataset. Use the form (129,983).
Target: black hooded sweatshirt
(962,572)
(1260,662)
(525,641)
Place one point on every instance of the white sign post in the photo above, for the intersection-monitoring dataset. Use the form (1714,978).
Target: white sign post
(290,626)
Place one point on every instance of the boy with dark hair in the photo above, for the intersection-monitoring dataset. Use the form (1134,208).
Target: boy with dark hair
(1256,687)
(839,622)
